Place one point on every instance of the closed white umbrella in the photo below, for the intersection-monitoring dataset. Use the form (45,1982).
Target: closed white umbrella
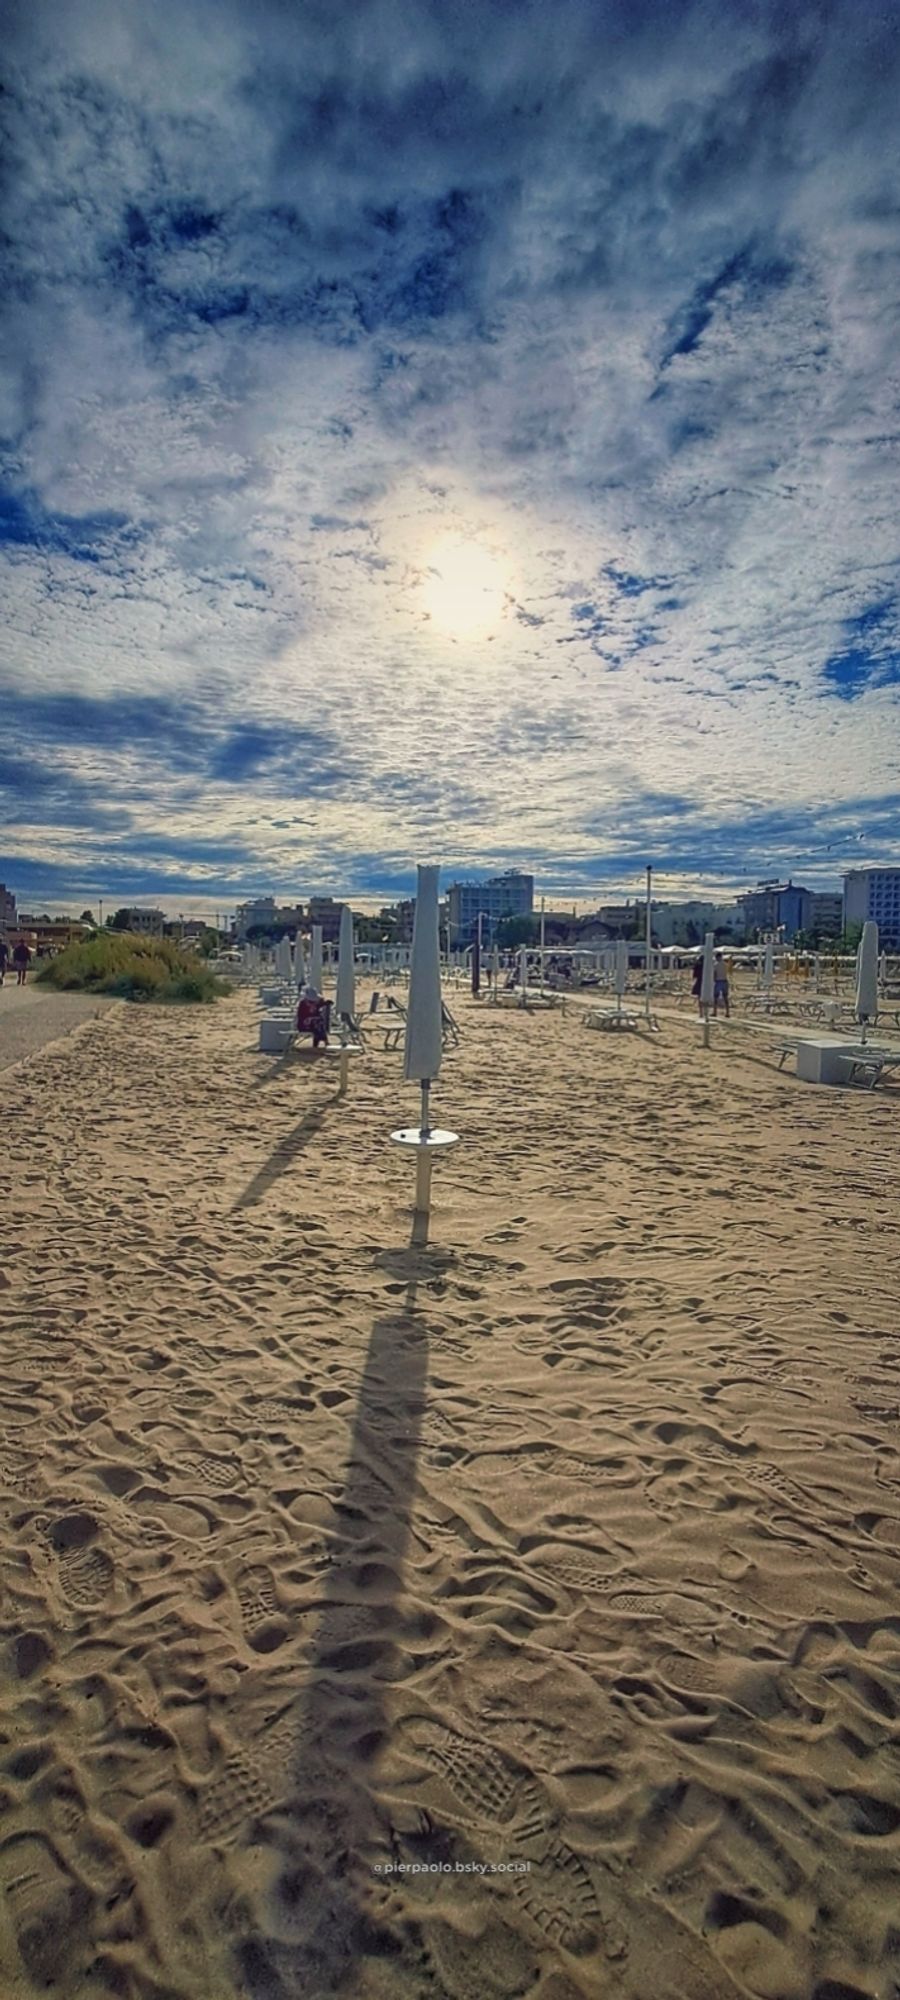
(283,965)
(621,971)
(316,968)
(299,962)
(423,1046)
(495,969)
(345,997)
(768,972)
(708,982)
(523,973)
(866,1006)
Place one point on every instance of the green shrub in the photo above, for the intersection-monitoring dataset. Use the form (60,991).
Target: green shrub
(196,987)
(131,967)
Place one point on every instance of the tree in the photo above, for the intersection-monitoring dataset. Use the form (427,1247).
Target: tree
(511,931)
(87,917)
(120,922)
(850,939)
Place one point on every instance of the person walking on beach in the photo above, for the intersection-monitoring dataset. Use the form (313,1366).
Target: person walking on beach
(21,961)
(697,983)
(4,959)
(721,986)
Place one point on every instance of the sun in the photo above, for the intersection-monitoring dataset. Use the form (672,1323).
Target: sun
(465,587)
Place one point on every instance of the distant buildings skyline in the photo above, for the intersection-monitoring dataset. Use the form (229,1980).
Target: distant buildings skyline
(778,907)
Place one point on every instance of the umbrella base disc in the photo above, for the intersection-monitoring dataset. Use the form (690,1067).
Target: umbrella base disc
(428,1141)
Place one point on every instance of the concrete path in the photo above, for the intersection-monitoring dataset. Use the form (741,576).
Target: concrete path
(31,1016)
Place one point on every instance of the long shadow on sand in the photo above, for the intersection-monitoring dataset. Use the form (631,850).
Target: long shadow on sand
(293,1062)
(284,1154)
(319,1918)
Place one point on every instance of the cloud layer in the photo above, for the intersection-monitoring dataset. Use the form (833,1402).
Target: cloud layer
(295,297)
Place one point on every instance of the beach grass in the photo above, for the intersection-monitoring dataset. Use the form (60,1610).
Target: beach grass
(131,967)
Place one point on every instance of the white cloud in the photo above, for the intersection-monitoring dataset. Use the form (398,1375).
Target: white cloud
(613,299)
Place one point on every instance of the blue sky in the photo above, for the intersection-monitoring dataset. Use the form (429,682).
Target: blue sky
(447,432)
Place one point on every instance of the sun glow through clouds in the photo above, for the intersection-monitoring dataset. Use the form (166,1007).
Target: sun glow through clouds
(464,589)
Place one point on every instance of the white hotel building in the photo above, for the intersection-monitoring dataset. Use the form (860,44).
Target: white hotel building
(874,893)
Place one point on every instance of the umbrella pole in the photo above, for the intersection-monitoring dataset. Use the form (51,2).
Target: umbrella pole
(706,1027)
(648,946)
(344,1073)
(424,1160)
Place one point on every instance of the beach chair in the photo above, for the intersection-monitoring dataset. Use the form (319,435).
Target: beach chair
(395,1026)
(350,1031)
(869,1065)
(449,1030)
(609,1018)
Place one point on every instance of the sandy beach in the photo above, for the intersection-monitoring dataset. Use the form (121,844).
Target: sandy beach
(512,1616)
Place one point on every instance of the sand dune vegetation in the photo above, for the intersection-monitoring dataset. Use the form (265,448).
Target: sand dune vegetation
(132,967)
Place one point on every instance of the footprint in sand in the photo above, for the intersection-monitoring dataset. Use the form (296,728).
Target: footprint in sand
(237,1794)
(576,1572)
(50,1911)
(478,1778)
(85,1570)
(210,1471)
(250,1782)
(558,1895)
(514,1822)
(264,1623)
(683,1671)
(495,1965)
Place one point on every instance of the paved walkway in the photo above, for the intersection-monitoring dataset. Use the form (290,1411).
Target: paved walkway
(31,1015)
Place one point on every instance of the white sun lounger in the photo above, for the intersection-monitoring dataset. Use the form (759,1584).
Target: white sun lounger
(864,1064)
(610,1017)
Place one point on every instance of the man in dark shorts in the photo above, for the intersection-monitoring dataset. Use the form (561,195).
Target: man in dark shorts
(21,961)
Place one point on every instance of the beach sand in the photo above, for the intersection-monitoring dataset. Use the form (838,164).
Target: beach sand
(515,1615)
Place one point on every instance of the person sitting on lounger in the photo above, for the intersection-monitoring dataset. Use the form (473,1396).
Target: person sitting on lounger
(312,1017)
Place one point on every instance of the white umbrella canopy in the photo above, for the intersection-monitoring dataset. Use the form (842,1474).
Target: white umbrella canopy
(708,980)
(424,1038)
(299,962)
(621,966)
(316,969)
(345,997)
(866,1006)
